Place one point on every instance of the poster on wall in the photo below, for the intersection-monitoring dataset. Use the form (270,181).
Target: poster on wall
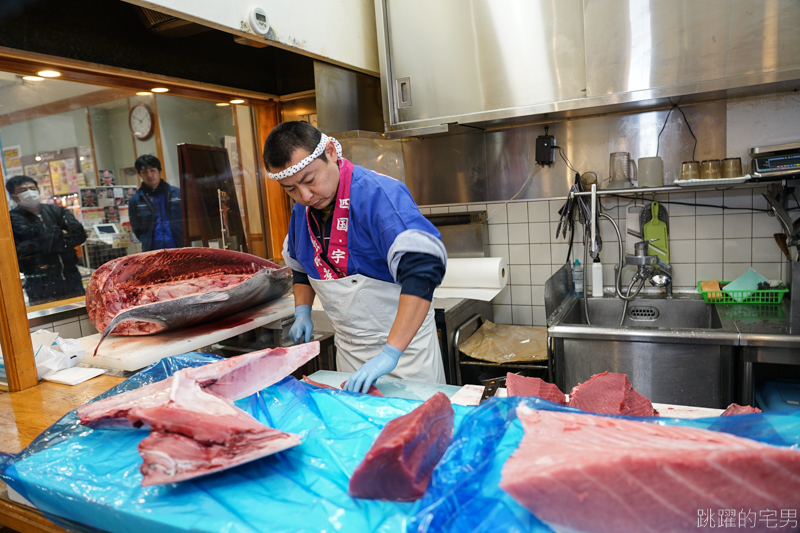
(112,215)
(105,196)
(12,159)
(58,176)
(92,216)
(72,175)
(88,198)
(127,192)
(106,177)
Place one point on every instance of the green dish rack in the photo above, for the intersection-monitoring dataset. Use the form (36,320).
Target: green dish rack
(749,297)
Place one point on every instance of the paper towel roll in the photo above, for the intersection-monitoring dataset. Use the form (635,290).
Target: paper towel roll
(478,278)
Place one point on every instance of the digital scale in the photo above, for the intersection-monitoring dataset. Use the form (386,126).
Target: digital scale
(776,162)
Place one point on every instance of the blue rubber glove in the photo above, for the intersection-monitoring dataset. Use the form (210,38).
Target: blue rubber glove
(303,326)
(381,364)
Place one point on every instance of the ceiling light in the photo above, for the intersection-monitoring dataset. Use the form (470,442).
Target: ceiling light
(159,89)
(32,78)
(143,93)
(49,73)
(38,158)
(222,104)
(237,101)
(81,158)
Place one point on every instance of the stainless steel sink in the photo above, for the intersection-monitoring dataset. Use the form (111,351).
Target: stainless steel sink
(676,351)
(647,313)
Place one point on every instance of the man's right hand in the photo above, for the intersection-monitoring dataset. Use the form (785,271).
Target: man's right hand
(303,326)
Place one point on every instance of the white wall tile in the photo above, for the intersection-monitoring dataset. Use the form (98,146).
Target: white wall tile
(555,205)
(683,276)
(518,233)
(738,198)
(682,251)
(737,226)
(540,274)
(498,234)
(522,315)
(677,210)
(87,328)
(765,225)
(558,253)
(503,297)
(537,295)
(458,209)
(540,254)
(768,270)
(708,227)
(439,210)
(681,228)
(69,330)
(539,316)
(731,271)
(608,274)
(425,210)
(518,254)
(708,272)
(759,202)
(517,212)
(502,314)
(710,198)
(47,327)
(520,274)
(57,323)
(521,295)
(476,207)
(708,251)
(539,232)
(766,251)
(500,250)
(496,214)
(538,211)
(736,251)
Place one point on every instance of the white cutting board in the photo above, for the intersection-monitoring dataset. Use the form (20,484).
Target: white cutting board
(134,353)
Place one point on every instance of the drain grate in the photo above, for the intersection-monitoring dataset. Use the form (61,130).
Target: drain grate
(642,313)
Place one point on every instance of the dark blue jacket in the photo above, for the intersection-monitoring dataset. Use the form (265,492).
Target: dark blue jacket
(144,208)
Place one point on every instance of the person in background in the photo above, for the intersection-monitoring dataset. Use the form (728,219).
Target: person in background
(358,241)
(45,236)
(155,209)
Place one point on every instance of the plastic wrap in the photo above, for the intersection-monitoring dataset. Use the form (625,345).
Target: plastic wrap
(92,476)
(499,343)
(464,495)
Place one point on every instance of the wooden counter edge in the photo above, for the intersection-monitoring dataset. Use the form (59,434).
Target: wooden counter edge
(24,519)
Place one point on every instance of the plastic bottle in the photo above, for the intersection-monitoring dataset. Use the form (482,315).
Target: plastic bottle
(577,277)
(597,278)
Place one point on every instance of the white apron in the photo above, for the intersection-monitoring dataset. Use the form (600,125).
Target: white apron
(362,311)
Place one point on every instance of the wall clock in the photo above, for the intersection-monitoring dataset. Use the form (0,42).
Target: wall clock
(140,120)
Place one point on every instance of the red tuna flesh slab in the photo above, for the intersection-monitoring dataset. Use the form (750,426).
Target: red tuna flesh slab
(610,394)
(588,473)
(373,390)
(736,409)
(525,386)
(233,378)
(401,461)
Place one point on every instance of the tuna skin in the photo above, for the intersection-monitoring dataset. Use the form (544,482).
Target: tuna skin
(399,465)
(610,394)
(525,386)
(581,472)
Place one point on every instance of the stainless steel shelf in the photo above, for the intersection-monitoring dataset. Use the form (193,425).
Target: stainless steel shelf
(634,191)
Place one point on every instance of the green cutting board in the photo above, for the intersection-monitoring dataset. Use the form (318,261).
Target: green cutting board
(656,229)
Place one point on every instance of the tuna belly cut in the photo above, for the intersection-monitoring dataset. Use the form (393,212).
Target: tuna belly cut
(401,461)
(172,457)
(525,386)
(589,473)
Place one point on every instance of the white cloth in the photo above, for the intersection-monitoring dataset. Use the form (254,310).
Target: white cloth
(362,311)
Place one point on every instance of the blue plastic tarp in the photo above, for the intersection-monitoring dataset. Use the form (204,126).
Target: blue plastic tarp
(91,477)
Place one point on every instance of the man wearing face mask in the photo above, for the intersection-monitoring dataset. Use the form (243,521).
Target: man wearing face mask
(45,236)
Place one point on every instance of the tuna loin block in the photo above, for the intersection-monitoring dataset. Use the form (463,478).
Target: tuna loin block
(399,465)
(234,378)
(736,409)
(610,394)
(196,433)
(590,473)
(525,386)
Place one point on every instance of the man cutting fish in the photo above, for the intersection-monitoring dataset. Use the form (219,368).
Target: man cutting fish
(358,241)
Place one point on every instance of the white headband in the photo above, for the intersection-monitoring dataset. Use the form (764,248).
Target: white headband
(294,169)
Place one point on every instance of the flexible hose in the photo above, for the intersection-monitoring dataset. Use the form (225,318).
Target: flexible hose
(585,296)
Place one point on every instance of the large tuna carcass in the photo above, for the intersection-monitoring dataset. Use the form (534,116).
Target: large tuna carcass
(146,293)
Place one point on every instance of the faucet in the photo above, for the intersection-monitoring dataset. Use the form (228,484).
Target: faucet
(648,267)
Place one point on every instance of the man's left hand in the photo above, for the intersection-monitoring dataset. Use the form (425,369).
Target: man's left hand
(380,365)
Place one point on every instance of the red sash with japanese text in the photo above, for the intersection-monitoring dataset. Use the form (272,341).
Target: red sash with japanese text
(337,247)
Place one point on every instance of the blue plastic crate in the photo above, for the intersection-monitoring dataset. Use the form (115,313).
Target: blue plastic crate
(778,395)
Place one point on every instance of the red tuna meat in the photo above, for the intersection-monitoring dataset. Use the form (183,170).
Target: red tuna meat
(234,378)
(525,386)
(210,283)
(610,394)
(401,461)
(373,390)
(582,472)
(196,433)
(736,409)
